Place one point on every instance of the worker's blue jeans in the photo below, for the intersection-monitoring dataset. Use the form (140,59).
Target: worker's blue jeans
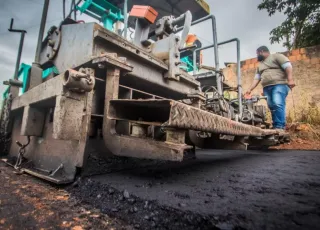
(277,95)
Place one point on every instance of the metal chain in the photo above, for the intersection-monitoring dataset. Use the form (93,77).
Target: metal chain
(22,151)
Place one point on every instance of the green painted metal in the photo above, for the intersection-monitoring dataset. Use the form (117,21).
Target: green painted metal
(103,11)
(189,64)
(48,71)
(23,74)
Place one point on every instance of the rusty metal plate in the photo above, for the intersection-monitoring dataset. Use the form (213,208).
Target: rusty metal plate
(178,115)
(187,117)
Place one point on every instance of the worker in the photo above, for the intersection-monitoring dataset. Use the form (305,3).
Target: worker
(275,74)
(191,40)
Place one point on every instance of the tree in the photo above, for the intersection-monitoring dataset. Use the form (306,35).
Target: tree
(302,26)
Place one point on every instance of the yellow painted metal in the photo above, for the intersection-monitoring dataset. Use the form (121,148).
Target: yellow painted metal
(204,5)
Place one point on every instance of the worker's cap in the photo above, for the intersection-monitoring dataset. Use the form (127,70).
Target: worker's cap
(263,49)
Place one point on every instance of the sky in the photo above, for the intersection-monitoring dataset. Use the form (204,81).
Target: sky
(235,19)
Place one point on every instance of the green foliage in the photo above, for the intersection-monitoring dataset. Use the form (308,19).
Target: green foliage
(302,26)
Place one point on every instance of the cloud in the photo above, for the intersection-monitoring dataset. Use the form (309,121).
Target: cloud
(235,18)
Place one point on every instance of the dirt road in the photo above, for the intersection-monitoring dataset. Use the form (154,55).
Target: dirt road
(219,190)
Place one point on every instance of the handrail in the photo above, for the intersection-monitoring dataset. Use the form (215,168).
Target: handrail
(239,82)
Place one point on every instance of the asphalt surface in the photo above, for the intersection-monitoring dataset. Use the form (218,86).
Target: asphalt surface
(218,190)
(252,190)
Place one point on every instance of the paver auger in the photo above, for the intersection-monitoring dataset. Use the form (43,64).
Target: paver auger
(123,98)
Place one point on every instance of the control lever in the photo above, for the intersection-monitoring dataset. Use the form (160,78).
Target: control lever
(187,17)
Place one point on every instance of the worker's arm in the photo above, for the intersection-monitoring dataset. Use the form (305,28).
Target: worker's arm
(256,81)
(287,67)
(253,86)
(285,64)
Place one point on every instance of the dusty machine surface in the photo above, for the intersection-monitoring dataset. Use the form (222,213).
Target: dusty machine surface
(123,98)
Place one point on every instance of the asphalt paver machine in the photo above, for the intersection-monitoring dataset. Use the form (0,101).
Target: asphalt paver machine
(122,89)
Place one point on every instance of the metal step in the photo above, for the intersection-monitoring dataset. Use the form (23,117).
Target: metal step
(173,114)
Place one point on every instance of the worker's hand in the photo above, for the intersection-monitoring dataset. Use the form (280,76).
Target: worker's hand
(248,93)
(291,84)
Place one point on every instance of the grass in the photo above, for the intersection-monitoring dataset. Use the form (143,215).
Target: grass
(304,119)
(305,112)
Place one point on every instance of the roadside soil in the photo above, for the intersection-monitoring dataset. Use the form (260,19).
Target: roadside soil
(29,203)
(303,137)
(300,144)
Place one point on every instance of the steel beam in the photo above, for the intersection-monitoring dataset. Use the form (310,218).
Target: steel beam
(45,91)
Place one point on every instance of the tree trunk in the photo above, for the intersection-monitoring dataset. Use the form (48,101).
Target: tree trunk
(298,33)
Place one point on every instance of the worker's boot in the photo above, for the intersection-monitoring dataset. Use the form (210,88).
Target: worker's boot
(284,135)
